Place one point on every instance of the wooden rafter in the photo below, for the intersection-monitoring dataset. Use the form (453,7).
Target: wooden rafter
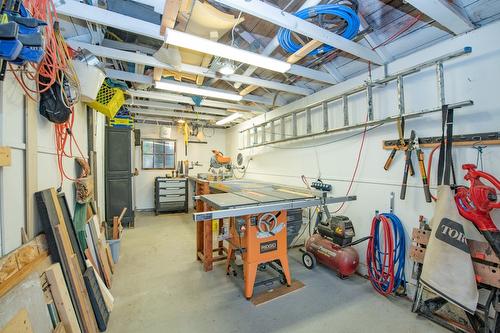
(294,58)
(170,11)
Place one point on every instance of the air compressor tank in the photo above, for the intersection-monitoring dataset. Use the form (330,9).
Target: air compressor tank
(344,260)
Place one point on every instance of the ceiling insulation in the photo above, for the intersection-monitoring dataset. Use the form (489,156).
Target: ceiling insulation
(208,22)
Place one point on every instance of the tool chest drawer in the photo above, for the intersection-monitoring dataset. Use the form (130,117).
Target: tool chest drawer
(167,183)
(167,191)
(170,195)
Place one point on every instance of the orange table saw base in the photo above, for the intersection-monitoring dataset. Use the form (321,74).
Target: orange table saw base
(257,250)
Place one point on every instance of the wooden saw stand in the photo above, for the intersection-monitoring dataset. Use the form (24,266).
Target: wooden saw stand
(257,228)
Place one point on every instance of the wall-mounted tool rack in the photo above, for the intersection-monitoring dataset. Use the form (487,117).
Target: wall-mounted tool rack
(490,138)
(265,133)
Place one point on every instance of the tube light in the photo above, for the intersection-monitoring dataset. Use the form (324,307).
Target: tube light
(188,41)
(229,119)
(187,89)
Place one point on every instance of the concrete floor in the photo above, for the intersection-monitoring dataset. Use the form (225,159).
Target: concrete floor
(159,287)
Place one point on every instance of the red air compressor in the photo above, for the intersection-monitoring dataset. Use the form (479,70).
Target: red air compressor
(332,246)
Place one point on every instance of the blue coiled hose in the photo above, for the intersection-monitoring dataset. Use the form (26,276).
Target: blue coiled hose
(386,253)
(344,12)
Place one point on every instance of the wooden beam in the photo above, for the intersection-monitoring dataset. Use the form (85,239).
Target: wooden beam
(304,51)
(170,11)
(31,157)
(294,58)
(5,156)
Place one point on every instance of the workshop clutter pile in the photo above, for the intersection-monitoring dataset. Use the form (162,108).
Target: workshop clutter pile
(450,268)
(59,281)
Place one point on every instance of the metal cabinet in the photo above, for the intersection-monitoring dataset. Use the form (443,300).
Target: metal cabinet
(171,195)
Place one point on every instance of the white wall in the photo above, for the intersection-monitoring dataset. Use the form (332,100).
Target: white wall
(12,178)
(473,77)
(144,182)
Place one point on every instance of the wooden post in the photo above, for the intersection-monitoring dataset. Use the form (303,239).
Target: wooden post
(31,171)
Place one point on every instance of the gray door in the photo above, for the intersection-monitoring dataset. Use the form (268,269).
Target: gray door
(118,174)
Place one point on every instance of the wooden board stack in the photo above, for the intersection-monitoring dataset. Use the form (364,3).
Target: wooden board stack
(73,278)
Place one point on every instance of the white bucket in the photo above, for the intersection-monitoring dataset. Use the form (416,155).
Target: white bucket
(91,79)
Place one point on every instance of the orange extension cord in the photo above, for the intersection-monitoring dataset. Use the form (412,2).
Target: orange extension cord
(55,65)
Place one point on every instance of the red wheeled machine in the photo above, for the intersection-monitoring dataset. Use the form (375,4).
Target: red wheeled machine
(332,246)
(477,201)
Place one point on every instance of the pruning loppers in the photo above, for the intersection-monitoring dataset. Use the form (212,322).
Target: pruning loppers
(412,145)
(401,146)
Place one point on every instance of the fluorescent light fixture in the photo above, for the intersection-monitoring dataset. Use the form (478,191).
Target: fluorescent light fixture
(229,119)
(192,90)
(188,41)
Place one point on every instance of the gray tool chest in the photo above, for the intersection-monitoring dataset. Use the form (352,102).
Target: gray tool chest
(170,195)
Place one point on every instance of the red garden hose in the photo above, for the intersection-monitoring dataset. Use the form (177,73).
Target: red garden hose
(385,255)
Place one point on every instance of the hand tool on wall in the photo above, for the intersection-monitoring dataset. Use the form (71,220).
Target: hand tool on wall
(401,145)
(423,173)
(408,151)
(186,137)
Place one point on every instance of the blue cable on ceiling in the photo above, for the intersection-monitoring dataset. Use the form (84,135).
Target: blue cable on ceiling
(344,12)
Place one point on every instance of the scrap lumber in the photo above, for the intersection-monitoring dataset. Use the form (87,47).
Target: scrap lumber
(60,328)
(60,245)
(17,265)
(117,224)
(20,323)
(27,295)
(101,257)
(5,156)
(62,300)
(93,260)
(170,11)
(109,256)
(109,300)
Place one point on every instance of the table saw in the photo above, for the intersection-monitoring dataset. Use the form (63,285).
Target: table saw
(257,215)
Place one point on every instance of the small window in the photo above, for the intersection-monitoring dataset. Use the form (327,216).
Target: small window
(158,154)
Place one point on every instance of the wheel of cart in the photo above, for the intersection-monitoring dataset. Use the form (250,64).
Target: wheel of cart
(309,260)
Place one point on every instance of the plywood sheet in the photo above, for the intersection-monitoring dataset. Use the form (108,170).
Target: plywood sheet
(281,291)
(19,324)
(27,295)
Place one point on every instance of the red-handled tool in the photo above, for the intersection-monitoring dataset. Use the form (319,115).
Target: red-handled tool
(477,201)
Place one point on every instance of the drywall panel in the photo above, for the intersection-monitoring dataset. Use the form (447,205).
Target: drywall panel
(12,179)
(12,213)
(13,209)
(334,157)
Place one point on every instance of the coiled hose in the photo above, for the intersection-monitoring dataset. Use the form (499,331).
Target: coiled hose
(386,253)
(348,30)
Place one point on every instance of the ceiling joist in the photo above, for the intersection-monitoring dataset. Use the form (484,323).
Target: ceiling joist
(126,23)
(286,20)
(445,14)
(162,96)
(138,58)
